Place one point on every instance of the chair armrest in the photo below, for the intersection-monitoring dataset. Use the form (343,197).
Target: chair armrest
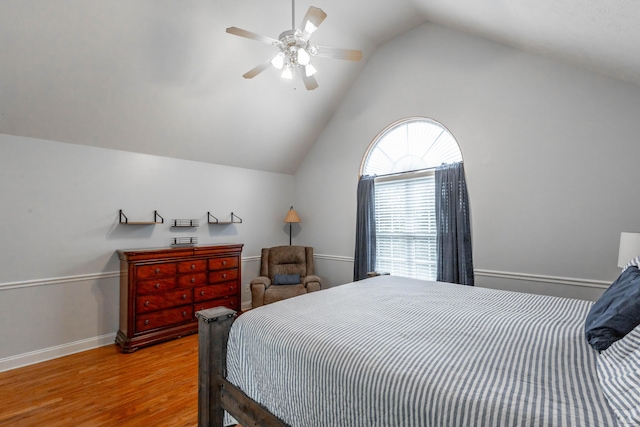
(312,283)
(261,280)
(258,286)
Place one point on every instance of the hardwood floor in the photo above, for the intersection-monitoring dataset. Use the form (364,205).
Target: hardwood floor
(155,386)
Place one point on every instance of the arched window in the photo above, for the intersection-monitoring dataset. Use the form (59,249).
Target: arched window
(403,157)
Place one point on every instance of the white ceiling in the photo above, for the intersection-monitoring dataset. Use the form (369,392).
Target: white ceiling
(163,77)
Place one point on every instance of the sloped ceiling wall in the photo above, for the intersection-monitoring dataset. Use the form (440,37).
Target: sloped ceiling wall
(162,76)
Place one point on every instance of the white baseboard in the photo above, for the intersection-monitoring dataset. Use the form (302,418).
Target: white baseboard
(45,354)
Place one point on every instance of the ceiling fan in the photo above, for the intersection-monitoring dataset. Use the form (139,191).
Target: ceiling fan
(295,50)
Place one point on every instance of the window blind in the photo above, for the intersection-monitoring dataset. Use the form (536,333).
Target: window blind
(406,227)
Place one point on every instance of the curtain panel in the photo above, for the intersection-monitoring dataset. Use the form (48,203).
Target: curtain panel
(455,264)
(365,252)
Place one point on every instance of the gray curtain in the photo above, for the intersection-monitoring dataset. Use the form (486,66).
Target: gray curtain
(365,254)
(455,264)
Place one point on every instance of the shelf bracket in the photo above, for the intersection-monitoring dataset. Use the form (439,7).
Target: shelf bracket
(215,220)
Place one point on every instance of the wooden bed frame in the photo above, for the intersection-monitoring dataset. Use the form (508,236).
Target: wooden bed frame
(215,393)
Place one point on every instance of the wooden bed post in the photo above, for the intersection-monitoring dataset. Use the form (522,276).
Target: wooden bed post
(213,333)
(215,393)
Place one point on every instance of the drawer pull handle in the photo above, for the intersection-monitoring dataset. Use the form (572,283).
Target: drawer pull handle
(184,314)
(202,293)
(193,266)
(146,303)
(157,285)
(224,275)
(184,296)
(193,280)
(157,270)
(224,263)
(146,322)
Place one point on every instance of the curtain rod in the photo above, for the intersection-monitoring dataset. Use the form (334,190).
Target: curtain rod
(415,171)
(402,173)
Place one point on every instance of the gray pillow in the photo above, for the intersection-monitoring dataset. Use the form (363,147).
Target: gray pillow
(286,279)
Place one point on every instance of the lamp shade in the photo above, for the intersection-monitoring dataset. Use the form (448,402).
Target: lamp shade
(292,216)
(629,248)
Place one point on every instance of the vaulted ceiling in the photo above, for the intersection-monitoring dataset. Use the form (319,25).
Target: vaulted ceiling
(163,77)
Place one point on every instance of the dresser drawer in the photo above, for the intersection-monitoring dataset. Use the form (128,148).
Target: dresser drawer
(156,270)
(229,302)
(192,280)
(159,319)
(157,285)
(204,293)
(223,275)
(159,301)
(196,266)
(222,263)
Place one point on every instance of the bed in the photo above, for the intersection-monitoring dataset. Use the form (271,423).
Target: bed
(389,351)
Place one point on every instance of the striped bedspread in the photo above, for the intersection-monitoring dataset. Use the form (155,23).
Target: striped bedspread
(389,351)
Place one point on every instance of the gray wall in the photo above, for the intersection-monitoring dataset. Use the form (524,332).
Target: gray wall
(548,150)
(59,280)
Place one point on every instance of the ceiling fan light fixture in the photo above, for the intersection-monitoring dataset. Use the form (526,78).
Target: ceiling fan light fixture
(303,57)
(309,70)
(287,73)
(278,61)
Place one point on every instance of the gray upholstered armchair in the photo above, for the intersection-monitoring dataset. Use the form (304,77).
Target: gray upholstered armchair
(279,267)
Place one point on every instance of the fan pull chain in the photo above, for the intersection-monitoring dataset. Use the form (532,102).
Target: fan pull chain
(293,14)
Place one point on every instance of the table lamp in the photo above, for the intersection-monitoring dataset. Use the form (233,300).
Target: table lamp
(629,248)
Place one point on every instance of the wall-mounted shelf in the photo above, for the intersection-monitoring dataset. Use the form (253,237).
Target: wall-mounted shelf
(185,223)
(157,219)
(235,219)
(180,241)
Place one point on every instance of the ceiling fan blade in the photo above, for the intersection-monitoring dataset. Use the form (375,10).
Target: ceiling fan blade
(250,35)
(337,53)
(309,81)
(257,70)
(314,16)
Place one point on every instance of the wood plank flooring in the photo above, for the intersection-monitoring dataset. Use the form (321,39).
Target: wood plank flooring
(155,386)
